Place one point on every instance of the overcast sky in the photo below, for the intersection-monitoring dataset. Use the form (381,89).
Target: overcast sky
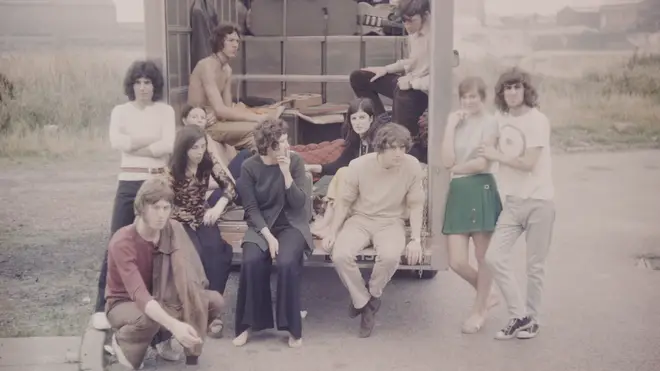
(132,11)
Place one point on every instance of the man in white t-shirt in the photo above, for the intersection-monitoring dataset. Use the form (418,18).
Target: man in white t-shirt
(525,182)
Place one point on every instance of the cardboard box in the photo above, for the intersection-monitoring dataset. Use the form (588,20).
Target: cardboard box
(298,101)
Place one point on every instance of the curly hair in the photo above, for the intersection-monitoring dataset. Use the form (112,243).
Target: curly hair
(220,33)
(411,8)
(150,192)
(472,82)
(268,133)
(390,136)
(186,137)
(144,69)
(512,76)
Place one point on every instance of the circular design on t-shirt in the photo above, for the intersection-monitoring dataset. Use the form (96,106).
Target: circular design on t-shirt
(512,141)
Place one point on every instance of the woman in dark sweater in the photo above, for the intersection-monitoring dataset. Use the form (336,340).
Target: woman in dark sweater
(358,131)
(277,208)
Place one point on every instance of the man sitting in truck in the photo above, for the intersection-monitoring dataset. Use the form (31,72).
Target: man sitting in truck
(405,81)
(210,87)
(381,189)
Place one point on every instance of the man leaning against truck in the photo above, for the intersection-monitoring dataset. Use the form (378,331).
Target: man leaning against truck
(210,88)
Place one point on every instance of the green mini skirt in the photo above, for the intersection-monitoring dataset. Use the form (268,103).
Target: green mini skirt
(473,205)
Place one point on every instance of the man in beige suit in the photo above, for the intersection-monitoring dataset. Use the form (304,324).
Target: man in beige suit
(380,190)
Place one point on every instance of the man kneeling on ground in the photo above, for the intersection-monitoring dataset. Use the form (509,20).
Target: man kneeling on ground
(381,189)
(156,285)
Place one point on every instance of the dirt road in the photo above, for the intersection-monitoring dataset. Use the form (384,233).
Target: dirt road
(600,309)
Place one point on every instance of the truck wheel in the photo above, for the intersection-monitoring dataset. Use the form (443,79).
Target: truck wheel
(427,274)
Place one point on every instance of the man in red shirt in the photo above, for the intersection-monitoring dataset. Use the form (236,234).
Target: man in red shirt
(156,284)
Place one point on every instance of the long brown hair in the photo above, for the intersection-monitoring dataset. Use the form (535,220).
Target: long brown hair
(185,139)
(512,76)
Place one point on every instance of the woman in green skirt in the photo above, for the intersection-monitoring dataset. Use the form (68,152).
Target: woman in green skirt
(473,202)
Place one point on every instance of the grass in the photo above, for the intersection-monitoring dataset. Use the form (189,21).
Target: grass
(70,89)
(585,96)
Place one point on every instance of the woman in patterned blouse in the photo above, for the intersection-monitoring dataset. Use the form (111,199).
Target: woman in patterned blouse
(189,171)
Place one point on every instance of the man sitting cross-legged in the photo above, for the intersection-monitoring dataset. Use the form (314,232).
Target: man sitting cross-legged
(210,88)
(381,189)
(156,284)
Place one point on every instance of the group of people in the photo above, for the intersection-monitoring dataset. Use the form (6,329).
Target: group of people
(167,264)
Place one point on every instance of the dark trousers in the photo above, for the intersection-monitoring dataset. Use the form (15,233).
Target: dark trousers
(408,105)
(215,253)
(236,163)
(254,308)
(123,214)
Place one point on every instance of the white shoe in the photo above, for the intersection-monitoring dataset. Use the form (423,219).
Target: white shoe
(294,343)
(167,352)
(215,329)
(100,321)
(121,358)
(241,339)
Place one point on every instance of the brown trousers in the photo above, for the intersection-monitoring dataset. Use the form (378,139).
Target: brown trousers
(235,133)
(134,330)
(388,237)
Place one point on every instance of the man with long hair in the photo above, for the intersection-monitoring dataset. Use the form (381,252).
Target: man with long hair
(156,284)
(405,81)
(526,185)
(143,130)
(210,88)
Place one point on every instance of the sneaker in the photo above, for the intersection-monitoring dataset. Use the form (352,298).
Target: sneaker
(529,333)
(167,352)
(100,321)
(121,357)
(515,325)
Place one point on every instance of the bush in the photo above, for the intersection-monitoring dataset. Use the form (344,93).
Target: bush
(640,75)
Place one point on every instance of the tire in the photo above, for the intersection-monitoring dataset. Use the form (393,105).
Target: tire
(427,274)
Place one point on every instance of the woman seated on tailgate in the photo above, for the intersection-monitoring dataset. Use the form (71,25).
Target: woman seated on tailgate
(188,173)
(358,131)
(224,154)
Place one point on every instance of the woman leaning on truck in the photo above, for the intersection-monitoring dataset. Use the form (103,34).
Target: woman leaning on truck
(473,202)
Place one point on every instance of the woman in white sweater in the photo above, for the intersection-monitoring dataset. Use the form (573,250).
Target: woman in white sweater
(143,130)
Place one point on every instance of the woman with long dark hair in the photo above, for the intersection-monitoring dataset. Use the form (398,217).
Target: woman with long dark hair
(224,154)
(189,171)
(143,130)
(358,130)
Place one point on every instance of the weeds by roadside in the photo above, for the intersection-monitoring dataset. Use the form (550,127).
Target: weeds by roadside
(592,101)
(62,100)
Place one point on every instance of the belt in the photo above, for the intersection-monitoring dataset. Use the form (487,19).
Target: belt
(144,170)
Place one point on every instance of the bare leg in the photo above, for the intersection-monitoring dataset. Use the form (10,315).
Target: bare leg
(484,298)
(458,245)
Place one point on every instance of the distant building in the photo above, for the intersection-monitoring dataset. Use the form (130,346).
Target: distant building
(577,16)
(614,16)
(620,16)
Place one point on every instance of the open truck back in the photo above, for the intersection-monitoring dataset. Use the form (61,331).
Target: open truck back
(278,64)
